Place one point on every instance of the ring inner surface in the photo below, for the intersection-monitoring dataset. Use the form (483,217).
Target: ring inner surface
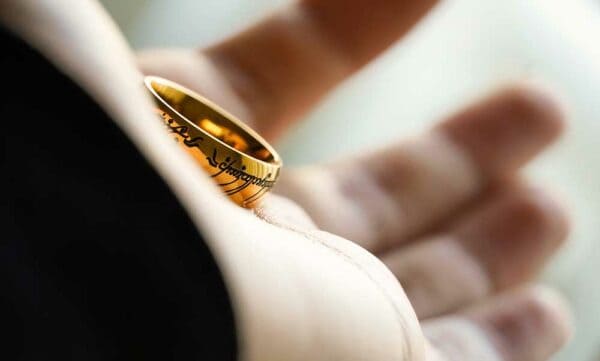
(212,122)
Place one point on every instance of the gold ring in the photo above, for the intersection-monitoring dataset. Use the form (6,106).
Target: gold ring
(240,161)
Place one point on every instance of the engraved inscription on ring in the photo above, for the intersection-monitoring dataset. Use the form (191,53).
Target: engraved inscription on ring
(227,166)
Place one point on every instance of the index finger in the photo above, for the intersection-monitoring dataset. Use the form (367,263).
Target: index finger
(287,62)
(273,72)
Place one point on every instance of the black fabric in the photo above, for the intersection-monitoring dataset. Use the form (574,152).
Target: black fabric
(98,261)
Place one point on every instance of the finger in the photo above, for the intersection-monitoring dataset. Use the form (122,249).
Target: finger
(381,199)
(528,325)
(504,242)
(285,63)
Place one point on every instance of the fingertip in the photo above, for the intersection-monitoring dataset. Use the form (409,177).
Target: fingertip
(514,233)
(538,212)
(504,131)
(555,309)
(554,214)
(541,104)
(527,325)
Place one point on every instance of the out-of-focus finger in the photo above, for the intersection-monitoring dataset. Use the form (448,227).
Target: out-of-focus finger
(525,325)
(503,242)
(285,63)
(383,198)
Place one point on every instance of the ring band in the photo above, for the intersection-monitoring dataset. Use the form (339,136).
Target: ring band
(240,161)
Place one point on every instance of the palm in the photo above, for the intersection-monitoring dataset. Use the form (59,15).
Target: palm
(446,212)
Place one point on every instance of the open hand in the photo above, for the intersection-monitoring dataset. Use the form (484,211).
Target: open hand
(446,212)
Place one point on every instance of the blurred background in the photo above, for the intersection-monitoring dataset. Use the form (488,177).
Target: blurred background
(464,49)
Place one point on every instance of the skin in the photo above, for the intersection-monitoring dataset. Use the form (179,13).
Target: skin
(313,273)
